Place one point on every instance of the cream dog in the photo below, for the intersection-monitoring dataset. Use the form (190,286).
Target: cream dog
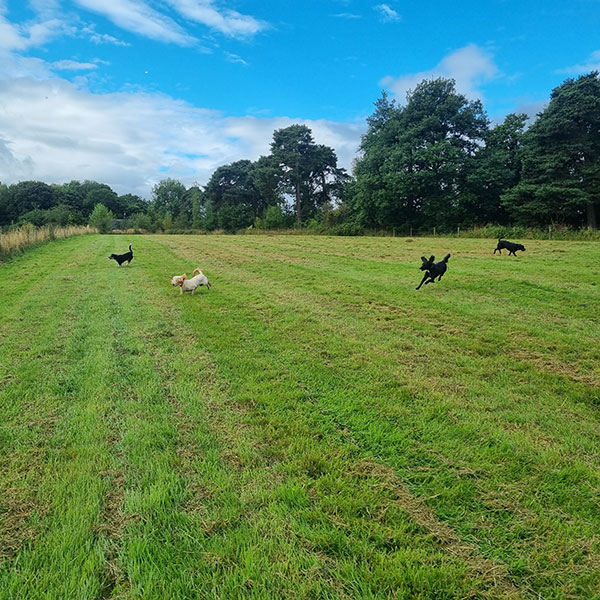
(190,285)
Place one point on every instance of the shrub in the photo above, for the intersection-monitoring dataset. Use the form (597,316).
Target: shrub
(101,218)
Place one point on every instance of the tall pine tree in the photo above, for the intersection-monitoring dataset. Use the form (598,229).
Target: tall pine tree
(560,179)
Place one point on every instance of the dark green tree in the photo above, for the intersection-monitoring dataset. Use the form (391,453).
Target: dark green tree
(169,198)
(131,204)
(73,194)
(308,171)
(3,205)
(26,196)
(233,217)
(560,178)
(267,179)
(104,195)
(61,214)
(276,218)
(233,185)
(195,200)
(495,170)
(416,158)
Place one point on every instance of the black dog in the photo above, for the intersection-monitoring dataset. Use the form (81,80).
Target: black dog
(433,270)
(510,246)
(121,258)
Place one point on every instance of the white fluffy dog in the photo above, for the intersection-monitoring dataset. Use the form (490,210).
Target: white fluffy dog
(190,285)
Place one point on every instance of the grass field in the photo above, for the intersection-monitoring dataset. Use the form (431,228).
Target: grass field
(311,427)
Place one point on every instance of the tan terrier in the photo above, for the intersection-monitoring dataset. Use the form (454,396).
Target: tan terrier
(190,285)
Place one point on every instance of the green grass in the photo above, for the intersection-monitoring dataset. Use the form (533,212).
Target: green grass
(311,427)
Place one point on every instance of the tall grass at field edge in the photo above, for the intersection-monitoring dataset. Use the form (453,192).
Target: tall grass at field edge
(20,239)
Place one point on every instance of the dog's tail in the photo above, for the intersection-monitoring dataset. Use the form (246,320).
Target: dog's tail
(198,270)
(446,257)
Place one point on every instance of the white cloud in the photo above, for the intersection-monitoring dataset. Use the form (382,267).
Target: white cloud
(14,36)
(386,13)
(234,58)
(592,64)
(42,32)
(90,32)
(53,131)
(531,109)
(14,66)
(140,18)
(20,170)
(228,22)
(137,17)
(11,37)
(470,67)
(45,6)
(346,16)
(73,65)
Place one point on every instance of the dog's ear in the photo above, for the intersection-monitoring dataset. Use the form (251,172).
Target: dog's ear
(431,258)
(423,259)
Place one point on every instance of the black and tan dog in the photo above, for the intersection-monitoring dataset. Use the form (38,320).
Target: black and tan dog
(433,270)
(121,258)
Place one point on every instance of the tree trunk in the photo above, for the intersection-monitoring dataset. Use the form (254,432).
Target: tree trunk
(298,208)
(591,215)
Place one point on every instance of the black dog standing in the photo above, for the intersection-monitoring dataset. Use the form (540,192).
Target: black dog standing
(121,258)
(510,246)
(433,270)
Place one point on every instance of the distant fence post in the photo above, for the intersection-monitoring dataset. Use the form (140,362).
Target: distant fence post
(434,232)
(411,232)
(458,231)
(393,232)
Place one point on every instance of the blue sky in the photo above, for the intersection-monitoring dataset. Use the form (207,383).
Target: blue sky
(129,92)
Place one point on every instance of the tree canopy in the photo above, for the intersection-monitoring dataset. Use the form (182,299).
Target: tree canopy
(560,159)
(416,158)
(307,171)
(434,161)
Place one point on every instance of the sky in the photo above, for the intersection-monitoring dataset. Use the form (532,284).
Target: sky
(130,92)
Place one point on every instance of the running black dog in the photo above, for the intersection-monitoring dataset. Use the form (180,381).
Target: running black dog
(510,246)
(121,258)
(433,270)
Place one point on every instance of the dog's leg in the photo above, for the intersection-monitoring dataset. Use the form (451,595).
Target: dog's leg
(422,280)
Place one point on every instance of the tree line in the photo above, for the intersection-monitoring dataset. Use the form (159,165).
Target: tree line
(435,161)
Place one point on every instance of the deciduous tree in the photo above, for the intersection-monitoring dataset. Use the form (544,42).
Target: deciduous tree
(416,157)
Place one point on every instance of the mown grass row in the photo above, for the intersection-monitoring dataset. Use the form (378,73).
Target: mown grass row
(311,427)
